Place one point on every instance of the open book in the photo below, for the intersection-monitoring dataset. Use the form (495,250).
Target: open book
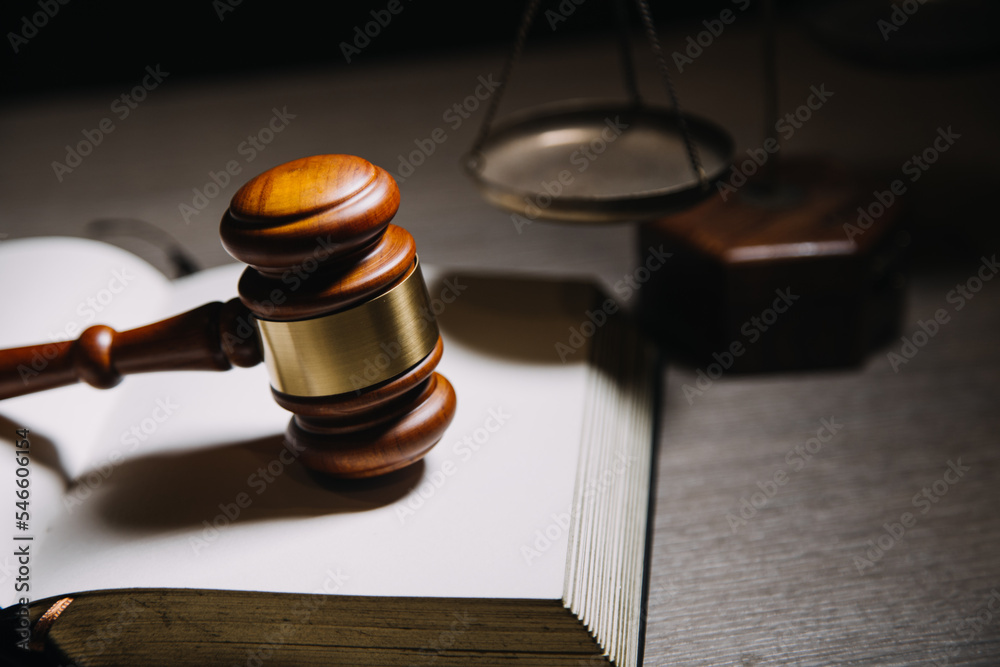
(181,531)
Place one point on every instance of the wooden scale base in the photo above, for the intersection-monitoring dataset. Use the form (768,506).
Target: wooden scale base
(807,274)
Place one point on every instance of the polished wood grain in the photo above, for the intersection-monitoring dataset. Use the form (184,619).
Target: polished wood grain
(781,592)
(313,288)
(277,220)
(215,336)
(420,402)
(350,405)
(789,586)
(366,447)
(316,233)
(743,248)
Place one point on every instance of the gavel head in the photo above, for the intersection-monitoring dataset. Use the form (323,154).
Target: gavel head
(342,313)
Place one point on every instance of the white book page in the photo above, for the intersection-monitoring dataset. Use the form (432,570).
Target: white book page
(206,501)
(54,289)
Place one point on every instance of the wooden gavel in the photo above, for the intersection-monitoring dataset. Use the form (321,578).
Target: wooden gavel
(333,302)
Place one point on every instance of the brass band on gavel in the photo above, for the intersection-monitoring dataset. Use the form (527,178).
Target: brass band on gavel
(354,348)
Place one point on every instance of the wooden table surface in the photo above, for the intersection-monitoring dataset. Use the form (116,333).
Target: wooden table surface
(814,571)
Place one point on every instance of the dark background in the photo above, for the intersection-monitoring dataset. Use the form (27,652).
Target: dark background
(89,43)
(784,591)
(94,43)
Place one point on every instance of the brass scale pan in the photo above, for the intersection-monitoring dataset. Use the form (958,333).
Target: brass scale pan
(598,161)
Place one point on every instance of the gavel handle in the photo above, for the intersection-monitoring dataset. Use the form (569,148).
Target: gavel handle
(216,336)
